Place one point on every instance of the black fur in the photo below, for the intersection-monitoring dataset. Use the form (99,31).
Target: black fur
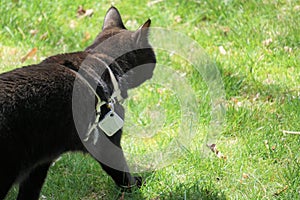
(36,120)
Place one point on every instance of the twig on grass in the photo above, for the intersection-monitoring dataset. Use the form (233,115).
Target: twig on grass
(280,191)
(291,132)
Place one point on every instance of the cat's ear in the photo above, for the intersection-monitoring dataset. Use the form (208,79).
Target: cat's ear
(112,19)
(142,33)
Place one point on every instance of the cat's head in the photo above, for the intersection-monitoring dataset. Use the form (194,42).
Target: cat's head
(129,49)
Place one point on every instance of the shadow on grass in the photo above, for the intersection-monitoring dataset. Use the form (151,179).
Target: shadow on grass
(191,194)
(204,190)
(194,193)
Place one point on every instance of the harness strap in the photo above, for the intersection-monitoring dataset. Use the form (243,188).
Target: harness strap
(99,102)
(115,97)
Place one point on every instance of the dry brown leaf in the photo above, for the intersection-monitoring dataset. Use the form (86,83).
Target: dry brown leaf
(245,176)
(236,102)
(31,53)
(89,13)
(214,149)
(81,12)
(226,30)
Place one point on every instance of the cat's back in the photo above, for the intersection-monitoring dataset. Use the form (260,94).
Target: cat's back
(32,92)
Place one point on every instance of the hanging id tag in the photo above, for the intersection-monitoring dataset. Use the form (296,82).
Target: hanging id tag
(111,123)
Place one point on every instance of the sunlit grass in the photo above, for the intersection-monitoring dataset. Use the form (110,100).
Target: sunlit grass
(261,74)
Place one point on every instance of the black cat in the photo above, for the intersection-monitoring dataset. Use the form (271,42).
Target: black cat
(36,112)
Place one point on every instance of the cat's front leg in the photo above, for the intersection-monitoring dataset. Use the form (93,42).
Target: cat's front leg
(30,188)
(122,178)
(113,161)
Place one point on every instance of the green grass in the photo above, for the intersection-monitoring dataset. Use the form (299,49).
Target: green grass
(262,84)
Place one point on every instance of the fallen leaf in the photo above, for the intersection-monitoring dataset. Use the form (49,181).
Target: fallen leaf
(214,149)
(226,29)
(89,13)
(81,12)
(245,176)
(236,102)
(31,53)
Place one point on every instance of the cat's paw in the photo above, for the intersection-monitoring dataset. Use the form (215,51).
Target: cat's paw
(139,181)
(135,183)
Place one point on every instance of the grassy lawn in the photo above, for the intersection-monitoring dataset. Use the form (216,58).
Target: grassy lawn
(256,47)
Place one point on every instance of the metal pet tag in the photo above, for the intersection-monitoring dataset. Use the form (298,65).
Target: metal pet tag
(111,123)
